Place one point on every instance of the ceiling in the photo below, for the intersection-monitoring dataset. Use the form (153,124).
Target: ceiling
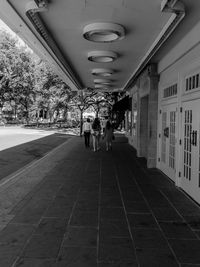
(58,26)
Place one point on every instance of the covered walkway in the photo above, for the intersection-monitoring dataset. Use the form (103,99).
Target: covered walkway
(102,209)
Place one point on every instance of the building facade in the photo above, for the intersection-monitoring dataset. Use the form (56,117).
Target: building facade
(165,116)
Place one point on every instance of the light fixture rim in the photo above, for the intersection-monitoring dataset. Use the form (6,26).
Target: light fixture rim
(95,56)
(102,72)
(97,86)
(102,80)
(91,31)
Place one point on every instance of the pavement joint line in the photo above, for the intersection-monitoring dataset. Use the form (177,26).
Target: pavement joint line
(30,165)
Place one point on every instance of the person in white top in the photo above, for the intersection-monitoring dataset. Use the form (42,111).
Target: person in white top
(87,131)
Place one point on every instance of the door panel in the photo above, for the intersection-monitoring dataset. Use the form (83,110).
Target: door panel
(168,140)
(190,180)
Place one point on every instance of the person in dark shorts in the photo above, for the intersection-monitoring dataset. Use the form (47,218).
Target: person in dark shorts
(108,135)
(96,133)
(87,131)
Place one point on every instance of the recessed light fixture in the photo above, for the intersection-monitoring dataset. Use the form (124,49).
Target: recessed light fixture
(101,72)
(98,86)
(103,32)
(102,56)
(103,81)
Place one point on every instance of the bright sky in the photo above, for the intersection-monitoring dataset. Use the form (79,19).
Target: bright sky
(3,26)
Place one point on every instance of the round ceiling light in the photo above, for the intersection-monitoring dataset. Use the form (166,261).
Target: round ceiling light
(103,81)
(103,32)
(102,72)
(102,56)
(99,86)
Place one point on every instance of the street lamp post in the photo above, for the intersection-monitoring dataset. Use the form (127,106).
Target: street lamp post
(81,108)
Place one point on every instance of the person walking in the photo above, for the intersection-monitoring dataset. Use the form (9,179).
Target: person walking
(108,135)
(87,131)
(96,133)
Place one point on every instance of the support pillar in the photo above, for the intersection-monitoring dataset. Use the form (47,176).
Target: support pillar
(152,116)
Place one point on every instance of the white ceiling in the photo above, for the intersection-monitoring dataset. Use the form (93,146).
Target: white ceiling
(65,20)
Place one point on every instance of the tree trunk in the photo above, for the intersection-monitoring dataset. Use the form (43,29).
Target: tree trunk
(37,117)
(65,113)
(1,112)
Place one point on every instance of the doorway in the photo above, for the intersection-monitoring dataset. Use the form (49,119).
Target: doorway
(168,118)
(190,181)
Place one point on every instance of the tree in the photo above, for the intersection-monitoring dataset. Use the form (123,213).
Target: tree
(101,100)
(17,72)
(85,99)
(82,101)
(52,93)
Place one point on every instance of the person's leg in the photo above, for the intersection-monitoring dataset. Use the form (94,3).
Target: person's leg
(94,142)
(85,137)
(110,145)
(98,140)
(107,146)
(88,139)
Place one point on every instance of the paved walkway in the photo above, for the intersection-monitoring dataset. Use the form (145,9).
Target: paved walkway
(102,210)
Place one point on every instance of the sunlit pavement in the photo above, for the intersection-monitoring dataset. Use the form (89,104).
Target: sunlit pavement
(19,147)
(89,209)
(15,135)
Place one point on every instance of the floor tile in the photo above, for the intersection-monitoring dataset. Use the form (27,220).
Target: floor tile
(175,195)
(149,238)
(132,196)
(166,214)
(187,208)
(193,221)
(118,254)
(77,257)
(177,230)
(110,202)
(115,241)
(86,207)
(136,207)
(156,258)
(118,264)
(15,234)
(57,210)
(197,233)
(54,226)
(190,265)
(114,228)
(84,219)
(12,240)
(187,251)
(112,213)
(158,202)
(32,212)
(142,221)
(81,237)
(69,224)
(5,219)
(30,262)
(43,246)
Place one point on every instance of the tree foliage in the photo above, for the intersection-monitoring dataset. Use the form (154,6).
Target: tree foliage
(27,84)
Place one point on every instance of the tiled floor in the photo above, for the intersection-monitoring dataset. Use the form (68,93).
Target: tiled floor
(103,210)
